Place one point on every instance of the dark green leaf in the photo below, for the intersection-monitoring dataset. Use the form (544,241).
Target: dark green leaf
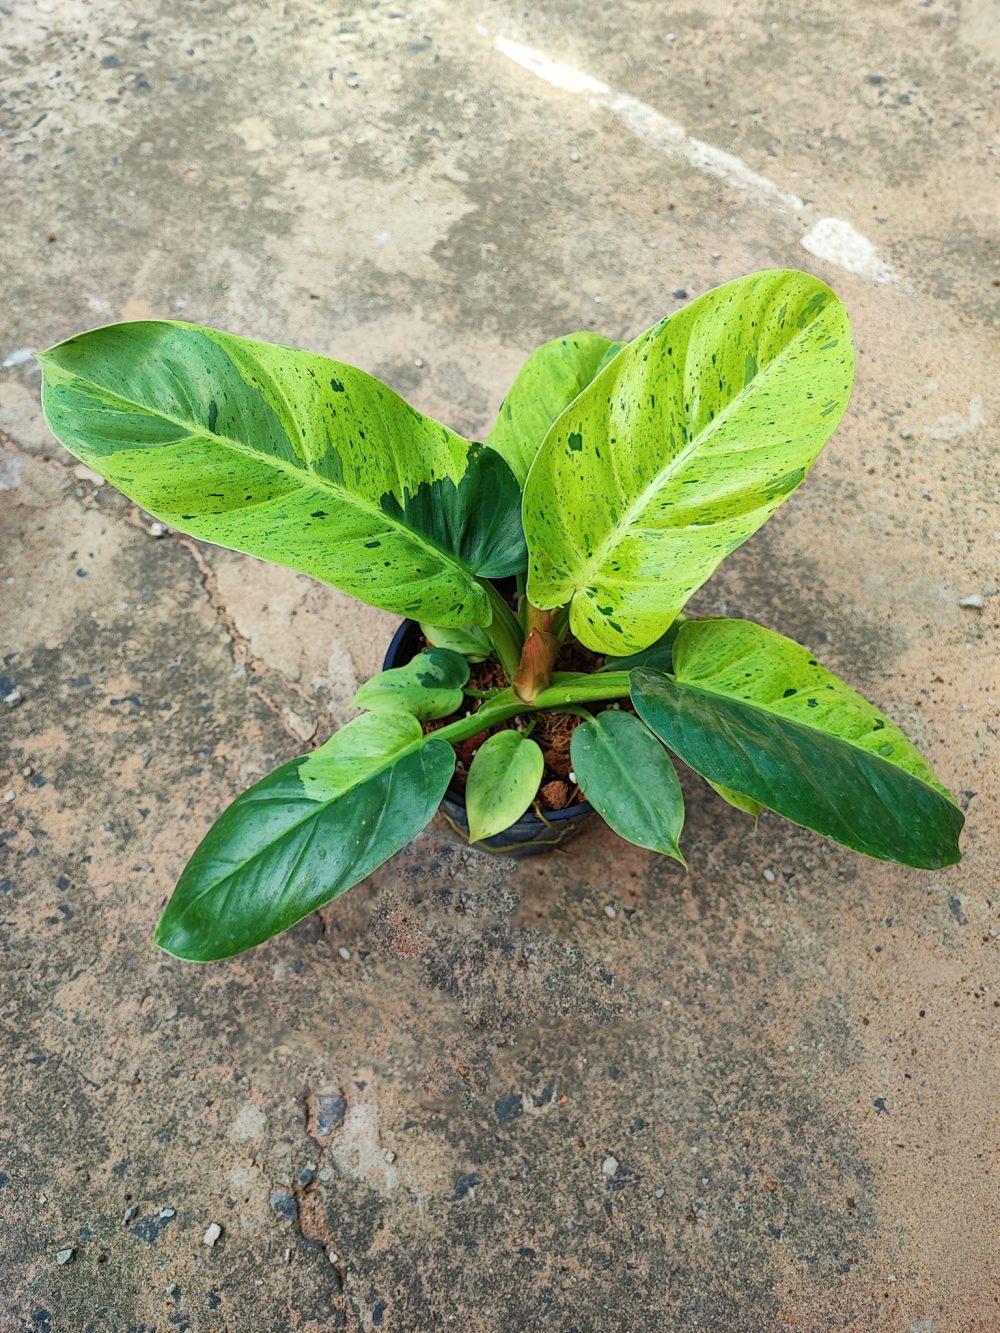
(627,776)
(428,686)
(756,713)
(304,834)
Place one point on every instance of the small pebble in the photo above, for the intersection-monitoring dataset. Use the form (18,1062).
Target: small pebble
(716,254)
(609,1166)
(571,775)
(130,1212)
(993,932)
(27,771)
(574,157)
(157,529)
(906,434)
(288,1256)
(769,876)
(8,795)
(610,912)
(65,1256)
(389,1156)
(17,358)
(973,603)
(418,361)
(344,953)
(352,80)
(334,1257)
(171,1288)
(597,300)
(168,1212)
(212,1234)
(892,1277)
(659,1192)
(13,699)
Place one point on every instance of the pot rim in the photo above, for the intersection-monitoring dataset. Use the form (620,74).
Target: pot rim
(454,794)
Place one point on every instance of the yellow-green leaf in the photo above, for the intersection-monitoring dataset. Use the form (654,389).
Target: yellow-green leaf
(292,457)
(680,449)
(547,383)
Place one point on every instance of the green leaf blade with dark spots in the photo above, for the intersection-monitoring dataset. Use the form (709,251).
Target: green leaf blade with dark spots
(304,834)
(289,456)
(545,385)
(672,456)
(428,686)
(629,779)
(754,712)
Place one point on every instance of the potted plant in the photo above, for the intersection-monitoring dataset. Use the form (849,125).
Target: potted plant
(547,571)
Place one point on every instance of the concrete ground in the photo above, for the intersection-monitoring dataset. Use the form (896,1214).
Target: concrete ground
(399,1113)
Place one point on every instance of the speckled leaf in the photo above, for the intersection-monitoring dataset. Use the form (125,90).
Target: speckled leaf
(659,654)
(474,644)
(755,712)
(546,384)
(629,779)
(291,457)
(304,834)
(680,449)
(503,778)
(428,686)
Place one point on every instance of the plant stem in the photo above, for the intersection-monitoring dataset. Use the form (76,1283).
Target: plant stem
(567,688)
(505,631)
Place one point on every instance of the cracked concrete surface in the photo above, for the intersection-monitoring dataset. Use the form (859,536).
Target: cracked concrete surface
(789,1053)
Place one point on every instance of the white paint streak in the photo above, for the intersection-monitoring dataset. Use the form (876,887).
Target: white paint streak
(954,425)
(660,132)
(552,71)
(10,472)
(832,239)
(17,358)
(836,240)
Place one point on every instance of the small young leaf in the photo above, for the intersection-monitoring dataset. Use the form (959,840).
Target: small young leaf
(429,686)
(627,776)
(737,800)
(548,382)
(474,644)
(756,713)
(304,834)
(503,779)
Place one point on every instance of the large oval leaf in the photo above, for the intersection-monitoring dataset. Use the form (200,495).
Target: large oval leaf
(304,834)
(503,779)
(428,686)
(756,713)
(680,449)
(546,384)
(627,776)
(292,457)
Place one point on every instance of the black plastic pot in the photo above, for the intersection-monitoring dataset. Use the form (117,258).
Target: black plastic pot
(531,833)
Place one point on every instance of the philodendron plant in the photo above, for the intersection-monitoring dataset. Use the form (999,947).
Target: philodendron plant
(615,479)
